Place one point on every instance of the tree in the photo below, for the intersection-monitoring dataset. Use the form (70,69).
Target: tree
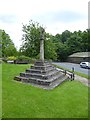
(31,42)
(88,31)
(8,48)
(74,44)
(31,39)
(56,47)
(62,51)
(50,48)
(65,35)
(0,43)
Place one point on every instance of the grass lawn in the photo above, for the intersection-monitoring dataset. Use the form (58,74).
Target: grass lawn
(20,100)
(0,90)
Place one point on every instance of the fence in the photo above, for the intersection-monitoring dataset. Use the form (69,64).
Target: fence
(71,74)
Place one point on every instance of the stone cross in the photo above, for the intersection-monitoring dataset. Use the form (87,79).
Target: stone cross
(42,44)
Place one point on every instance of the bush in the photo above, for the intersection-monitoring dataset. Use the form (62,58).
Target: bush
(38,56)
(11,58)
(1,61)
(23,58)
(33,60)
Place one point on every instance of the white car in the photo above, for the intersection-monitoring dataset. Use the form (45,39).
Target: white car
(85,65)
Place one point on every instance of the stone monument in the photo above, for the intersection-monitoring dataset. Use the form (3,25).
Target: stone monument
(42,44)
(42,74)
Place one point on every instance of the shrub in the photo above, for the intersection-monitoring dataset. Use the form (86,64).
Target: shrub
(23,58)
(1,61)
(38,56)
(11,58)
(32,61)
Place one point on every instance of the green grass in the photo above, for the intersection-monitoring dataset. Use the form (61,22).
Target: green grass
(77,73)
(20,100)
(0,90)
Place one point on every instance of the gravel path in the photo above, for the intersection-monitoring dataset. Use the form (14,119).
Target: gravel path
(83,80)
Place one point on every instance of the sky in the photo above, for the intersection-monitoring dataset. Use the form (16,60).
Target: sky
(55,15)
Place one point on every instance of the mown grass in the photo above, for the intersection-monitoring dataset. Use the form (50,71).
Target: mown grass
(0,90)
(20,100)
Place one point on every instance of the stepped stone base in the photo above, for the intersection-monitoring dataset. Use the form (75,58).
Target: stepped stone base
(42,75)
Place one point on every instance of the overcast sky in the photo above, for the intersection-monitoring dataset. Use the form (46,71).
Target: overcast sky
(56,15)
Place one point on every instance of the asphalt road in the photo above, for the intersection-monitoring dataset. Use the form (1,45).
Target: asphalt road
(77,67)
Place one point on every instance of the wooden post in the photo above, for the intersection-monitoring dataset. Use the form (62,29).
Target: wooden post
(73,73)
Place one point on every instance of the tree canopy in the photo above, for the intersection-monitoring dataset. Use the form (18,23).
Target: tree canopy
(31,42)
(7,46)
(57,47)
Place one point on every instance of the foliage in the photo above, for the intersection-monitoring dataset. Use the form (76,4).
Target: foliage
(62,51)
(88,39)
(11,58)
(68,43)
(1,61)
(22,57)
(50,48)
(0,43)
(8,48)
(74,44)
(69,100)
(31,42)
(26,58)
(31,39)
(57,47)
(1,88)
(65,35)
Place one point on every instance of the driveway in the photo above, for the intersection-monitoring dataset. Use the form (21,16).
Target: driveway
(77,68)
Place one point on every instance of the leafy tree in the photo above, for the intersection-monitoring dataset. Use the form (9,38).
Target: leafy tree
(65,35)
(10,51)
(62,52)
(8,48)
(50,48)
(57,38)
(31,42)
(56,47)
(0,43)
(74,44)
(88,32)
(31,39)
(68,43)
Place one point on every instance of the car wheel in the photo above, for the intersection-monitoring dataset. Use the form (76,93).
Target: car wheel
(81,66)
(86,66)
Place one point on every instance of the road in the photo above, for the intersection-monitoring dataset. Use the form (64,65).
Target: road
(77,68)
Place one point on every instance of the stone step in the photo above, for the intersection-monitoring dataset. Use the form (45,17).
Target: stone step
(54,84)
(40,71)
(36,80)
(51,85)
(31,80)
(57,76)
(42,67)
(48,80)
(41,63)
(40,76)
(58,81)
(43,84)
(19,78)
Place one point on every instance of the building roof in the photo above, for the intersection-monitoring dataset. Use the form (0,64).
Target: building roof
(80,54)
